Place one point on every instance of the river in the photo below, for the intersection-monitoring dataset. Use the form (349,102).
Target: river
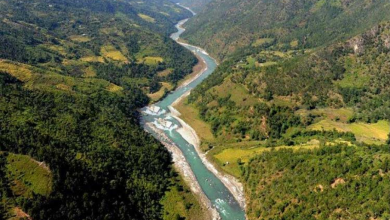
(157,120)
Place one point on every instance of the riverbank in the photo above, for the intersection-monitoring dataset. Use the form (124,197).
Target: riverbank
(181,165)
(218,192)
(184,43)
(197,70)
(179,162)
(189,134)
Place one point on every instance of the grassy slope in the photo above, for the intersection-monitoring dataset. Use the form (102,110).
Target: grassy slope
(179,202)
(375,133)
(191,115)
(116,36)
(28,176)
(159,94)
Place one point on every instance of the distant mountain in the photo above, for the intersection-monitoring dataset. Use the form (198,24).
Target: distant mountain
(72,75)
(226,25)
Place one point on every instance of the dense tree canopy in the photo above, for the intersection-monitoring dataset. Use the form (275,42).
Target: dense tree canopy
(73,74)
(327,183)
(226,25)
(94,149)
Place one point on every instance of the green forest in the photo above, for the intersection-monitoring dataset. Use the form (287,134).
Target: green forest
(337,182)
(95,151)
(72,76)
(232,24)
(298,109)
(268,101)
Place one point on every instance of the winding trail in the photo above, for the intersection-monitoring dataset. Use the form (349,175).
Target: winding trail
(222,194)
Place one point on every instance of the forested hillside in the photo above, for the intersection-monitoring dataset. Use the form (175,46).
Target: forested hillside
(264,96)
(67,38)
(299,107)
(337,182)
(72,75)
(226,25)
(94,150)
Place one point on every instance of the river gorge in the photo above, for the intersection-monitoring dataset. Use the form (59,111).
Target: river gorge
(221,193)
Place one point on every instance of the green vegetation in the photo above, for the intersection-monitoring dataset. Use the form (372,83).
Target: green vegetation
(296,111)
(147,18)
(4,189)
(375,133)
(325,183)
(190,114)
(180,203)
(112,40)
(110,52)
(226,25)
(299,107)
(28,176)
(151,60)
(234,157)
(165,87)
(262,41)
(70,85)
(93,147)
(245,102)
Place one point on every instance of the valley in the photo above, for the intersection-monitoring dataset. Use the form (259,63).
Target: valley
(221,194)
(114,109)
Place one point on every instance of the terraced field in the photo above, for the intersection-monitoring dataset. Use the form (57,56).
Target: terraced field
(375,133)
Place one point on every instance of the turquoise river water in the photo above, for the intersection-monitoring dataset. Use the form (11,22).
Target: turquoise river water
(214,189)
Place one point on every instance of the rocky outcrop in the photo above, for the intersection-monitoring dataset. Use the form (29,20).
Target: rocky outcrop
(357,44)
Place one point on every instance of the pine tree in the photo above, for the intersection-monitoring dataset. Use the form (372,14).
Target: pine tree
(388,139)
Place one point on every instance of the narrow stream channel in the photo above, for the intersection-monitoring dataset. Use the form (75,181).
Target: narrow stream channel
(159,114)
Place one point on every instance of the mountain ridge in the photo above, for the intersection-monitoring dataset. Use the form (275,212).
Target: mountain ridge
(228,24)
